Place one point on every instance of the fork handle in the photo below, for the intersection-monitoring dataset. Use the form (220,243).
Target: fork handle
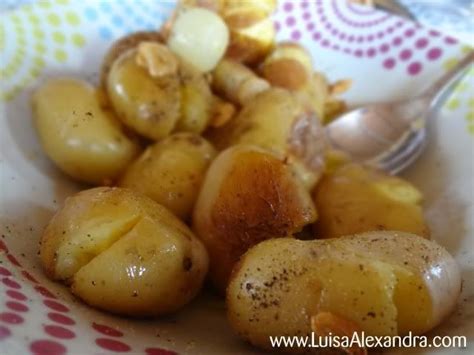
(438,90)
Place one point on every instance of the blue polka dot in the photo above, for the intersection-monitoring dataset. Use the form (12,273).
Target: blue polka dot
(117,21)
(91,14)
(105,33)
(105,6)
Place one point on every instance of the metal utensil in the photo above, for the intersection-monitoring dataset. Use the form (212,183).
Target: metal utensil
(391,135)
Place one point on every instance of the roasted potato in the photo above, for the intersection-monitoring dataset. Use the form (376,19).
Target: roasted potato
(197,100)
(82,138)
(149,105)
(354,199)
(383,283)
(171,171)
(248,195)
(276,120)
(252,32)
(124,44)
(122,252)
(199,36)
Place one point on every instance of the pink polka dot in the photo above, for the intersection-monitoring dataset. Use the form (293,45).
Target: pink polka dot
(336,47)
(325,43)
(405,54)
(380,34)
(112,345)
(384,47)
(16,295)
(106,330)
(328,26)
(399,24)
(347,50)
(434,33)
(390,30)
(11,318)
(61,318)
(334,32)
(13,260)
(288,6)
(16,306)
(306,16)
(4,332)
(450,40)
(59,332)
(370,38)
(158,351)
(409,33)
(56,306)
(310,26)
(342,36)
(350,38)
(44,292)
(371,52)
(290,21)
(421,43)
(304,4)
(434,53)
(4,272)
(3,247)
(277,26)
(397,41)
(414,68)
(389,63)
(47,347)
(317,36)
(360,39)
(28,276)
(358,53)
(295,35)
(10,283)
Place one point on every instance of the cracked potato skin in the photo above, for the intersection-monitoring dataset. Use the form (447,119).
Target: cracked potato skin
(249,195)
(385,283)
(124,253)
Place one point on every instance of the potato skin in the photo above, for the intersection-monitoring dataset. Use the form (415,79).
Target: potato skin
(82,138)
(387,283)
(355,199)
(276,120)
(248,195)
(171,171)
(122,252)
(149,106)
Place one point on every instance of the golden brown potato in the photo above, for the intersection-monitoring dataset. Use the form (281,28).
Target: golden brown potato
(382,283)
(197,100)
(171,171)
(248,195)
(276,120)
(355,199)
(122,45)
(150,106)
(82,138)
(252,32)
(122,252)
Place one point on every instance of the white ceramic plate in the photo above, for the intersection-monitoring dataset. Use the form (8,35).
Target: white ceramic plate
(386,57)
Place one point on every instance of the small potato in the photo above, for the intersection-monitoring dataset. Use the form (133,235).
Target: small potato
(382,283)
(276,120)
(197,100)
(199,36)
(248,195)
(124,44)
(83,139)
(122,252)
(150,106)
(171,171)
(354,199)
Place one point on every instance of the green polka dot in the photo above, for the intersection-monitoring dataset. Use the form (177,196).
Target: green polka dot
(34,20)
(465,49)
(450,63)
(461,87)
(470,128)
(62,2)
(59,38)
(470,116)
(453,104)
(78,39)
(54,19)
(21,41)
(38,34)
(15,19)
(40,48)
(72,19)
(44,4)
(470,102)
(60,55)
(38,62)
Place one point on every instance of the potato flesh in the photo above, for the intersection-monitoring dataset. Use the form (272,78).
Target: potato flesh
(124,253)
(149,106)
(171,172)
(382,281)
(84,140)
(248,195)
(353,199)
